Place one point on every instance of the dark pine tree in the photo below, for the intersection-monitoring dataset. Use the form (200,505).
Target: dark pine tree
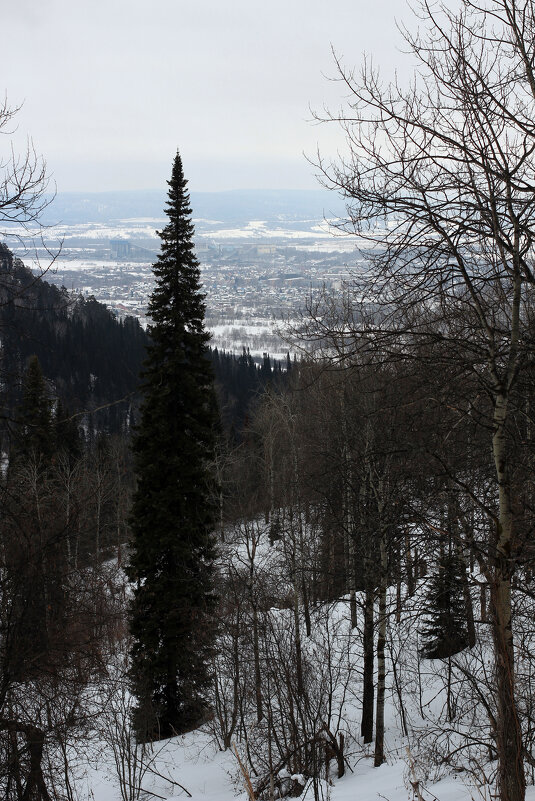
(35,418)
(33,561)
(173,511)
(446,629)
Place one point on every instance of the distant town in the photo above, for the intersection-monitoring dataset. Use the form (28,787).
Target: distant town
(257,275)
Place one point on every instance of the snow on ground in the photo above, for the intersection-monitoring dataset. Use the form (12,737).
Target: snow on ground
(191,760)
(414,769)
(259,229)
(207,774)
(147,227)
(259,336)
(248,329)
(138,229)
(89,265)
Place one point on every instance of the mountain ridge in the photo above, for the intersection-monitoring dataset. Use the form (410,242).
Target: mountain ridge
(229,206)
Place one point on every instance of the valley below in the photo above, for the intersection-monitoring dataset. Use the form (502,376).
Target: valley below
(258,274)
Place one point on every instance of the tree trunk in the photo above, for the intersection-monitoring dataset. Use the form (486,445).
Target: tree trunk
(470,624)
(410,564)
(298,652)
(368,690)
(257,671)
(379,757)
(306,605)
(511,777)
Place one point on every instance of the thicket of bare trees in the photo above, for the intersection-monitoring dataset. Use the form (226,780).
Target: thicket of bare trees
(62,601)
(439,179)
(419,456)
(368,487)
(62,597)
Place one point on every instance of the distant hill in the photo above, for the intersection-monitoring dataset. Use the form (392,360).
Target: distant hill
(92,358)
(232,206)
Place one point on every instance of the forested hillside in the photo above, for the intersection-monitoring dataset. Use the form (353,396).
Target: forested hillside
(92,359)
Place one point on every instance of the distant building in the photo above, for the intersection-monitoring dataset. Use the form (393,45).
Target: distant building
(120,248)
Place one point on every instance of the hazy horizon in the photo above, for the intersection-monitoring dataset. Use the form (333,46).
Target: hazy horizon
(232,204)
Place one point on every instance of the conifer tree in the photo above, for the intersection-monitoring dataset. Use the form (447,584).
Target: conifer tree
(446,629)
(36,429)
(31,542)
(173,512)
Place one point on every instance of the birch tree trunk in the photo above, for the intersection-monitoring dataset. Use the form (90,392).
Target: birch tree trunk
(368,691)
(511,777)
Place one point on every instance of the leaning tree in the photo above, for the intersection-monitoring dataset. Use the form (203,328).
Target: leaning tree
(173,511)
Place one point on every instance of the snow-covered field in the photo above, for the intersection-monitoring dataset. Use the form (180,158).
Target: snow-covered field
(317,234)
(260,229)
(207,774)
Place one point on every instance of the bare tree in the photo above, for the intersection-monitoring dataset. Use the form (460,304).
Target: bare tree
(439,182)
(24,182)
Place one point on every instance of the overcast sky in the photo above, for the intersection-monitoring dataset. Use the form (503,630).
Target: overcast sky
(112,87)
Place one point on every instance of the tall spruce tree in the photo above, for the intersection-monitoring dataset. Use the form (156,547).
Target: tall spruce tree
(173,510)
(446,629)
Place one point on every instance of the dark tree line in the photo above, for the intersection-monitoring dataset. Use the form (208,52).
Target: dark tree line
(92,358)
(240,381)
